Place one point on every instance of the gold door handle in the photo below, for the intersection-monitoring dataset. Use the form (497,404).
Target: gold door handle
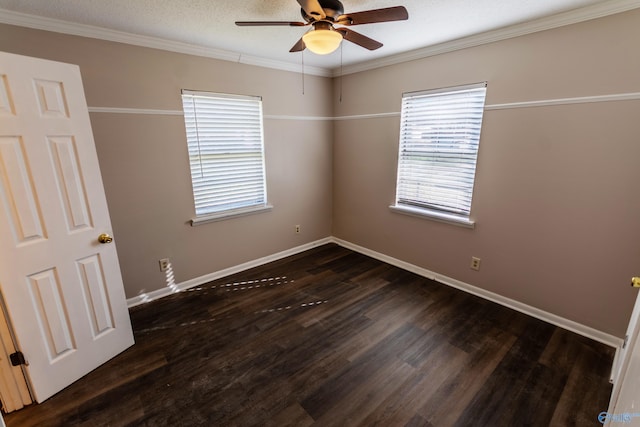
(105,238)
(635,282)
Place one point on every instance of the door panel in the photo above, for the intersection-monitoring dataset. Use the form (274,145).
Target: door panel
(96,295)
(70,184)
(63,289)
(51,313)
(17,187)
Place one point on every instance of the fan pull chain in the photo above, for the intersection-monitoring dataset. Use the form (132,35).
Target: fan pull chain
(341,47)
(302,53)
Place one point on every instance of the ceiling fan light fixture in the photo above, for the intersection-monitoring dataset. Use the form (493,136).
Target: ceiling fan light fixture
(322,41)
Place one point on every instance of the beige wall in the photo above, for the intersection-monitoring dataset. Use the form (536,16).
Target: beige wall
(556,197)
(144,163)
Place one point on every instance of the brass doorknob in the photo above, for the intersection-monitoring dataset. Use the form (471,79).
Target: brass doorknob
(635,282)
(105,238)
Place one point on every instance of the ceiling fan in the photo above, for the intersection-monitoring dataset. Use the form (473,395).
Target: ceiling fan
(324,38)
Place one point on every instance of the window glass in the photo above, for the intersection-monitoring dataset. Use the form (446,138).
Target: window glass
(226,151)
(439,140)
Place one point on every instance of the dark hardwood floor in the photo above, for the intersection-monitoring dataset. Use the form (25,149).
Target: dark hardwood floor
(330,337)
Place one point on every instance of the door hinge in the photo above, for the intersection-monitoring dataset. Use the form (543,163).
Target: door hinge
(17,359)
(624,344)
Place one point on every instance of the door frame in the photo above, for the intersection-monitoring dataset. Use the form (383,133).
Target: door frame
(620,371)
(14,387)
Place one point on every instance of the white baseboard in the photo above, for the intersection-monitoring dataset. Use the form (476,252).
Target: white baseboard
(561,322)
(553,319)
(166,291)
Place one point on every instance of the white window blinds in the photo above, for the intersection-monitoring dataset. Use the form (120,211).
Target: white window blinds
(226,151)
(439,136)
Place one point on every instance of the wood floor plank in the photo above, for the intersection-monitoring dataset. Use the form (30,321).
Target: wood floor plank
(351,293)
(370,393)
(497,401)
(586,392)
(370,337)
(418,421)
(399,408)
(454,395)
(332,337)
(537,398)
(344,383)
(293,415)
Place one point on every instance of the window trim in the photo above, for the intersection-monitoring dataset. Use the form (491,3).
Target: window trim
(438,216)
(228,213)
(449,217)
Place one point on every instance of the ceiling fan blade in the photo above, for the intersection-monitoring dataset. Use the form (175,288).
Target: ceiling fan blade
(359,39)
(397,13)
(313,8)
(298,47)
(270,23)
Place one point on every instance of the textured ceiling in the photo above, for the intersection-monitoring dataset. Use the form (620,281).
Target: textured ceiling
(210,23)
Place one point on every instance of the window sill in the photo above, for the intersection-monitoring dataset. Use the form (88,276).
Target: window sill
(235,213)
(434,215)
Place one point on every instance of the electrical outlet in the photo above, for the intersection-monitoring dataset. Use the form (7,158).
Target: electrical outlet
(475,263)
(164,264)
(297,229)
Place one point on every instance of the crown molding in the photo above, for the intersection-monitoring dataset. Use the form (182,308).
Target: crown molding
(575,16)
(58,26)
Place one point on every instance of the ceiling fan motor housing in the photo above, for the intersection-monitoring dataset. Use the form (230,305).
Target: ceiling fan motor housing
(332,8)
(323,14)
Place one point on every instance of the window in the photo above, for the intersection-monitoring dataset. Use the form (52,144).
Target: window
(226,154)
(439,137)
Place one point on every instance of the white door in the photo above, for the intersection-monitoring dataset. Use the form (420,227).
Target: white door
(63,289)
(625,398)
